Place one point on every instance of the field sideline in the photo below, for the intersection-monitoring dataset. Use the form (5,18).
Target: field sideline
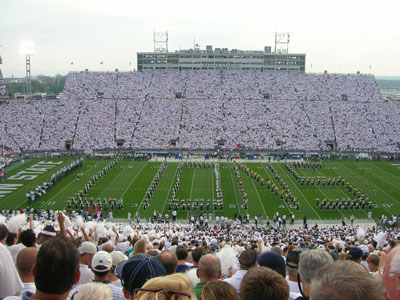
(129,180)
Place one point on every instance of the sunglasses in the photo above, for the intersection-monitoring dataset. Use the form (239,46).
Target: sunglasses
(168,292)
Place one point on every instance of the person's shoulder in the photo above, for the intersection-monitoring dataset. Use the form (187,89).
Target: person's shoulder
(199,285)
(117,283)
(75,290)
(302,298)
(25,296)
(13,298)
(18,246)
(116,291)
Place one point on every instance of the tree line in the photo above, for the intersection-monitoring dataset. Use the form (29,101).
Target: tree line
(52,85)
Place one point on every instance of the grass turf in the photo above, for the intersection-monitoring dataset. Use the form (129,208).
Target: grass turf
(130,180)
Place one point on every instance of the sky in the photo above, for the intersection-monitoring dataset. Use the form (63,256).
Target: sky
(337,36)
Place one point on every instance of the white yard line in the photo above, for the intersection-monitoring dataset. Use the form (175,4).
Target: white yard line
(127,188)
(379,205)
(269,176)
(259,198)
(324,193)
(72,181)
(115,178)
(212,186)
(169,190)
(191,188)
(234,188)
(339,190)
(372,184)
(191,191)
(300,192)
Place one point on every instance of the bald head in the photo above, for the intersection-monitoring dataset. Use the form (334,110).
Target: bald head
(168,260)
(391,274)
(108,248)
(209,268)
(25,261)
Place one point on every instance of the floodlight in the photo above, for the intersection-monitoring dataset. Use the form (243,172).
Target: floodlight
(27,47)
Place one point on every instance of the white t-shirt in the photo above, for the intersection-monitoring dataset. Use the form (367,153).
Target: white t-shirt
(293,288)
(28,287)
(86,274)
(10,283)
(236,279)
(117,283)
(14,250)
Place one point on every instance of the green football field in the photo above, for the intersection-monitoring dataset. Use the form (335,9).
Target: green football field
(129,180)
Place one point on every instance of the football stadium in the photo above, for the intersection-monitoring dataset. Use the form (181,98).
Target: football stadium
(211,143)
(204,174)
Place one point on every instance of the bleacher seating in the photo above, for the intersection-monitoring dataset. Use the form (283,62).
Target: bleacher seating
(302,113)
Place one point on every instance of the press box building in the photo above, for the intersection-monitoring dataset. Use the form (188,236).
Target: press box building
(221,59)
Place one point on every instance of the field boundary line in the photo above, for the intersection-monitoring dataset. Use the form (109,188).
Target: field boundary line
(305,198)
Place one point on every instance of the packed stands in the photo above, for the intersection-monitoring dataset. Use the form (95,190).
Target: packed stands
(196,109)
(3,91)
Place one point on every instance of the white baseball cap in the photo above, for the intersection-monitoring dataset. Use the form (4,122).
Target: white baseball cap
(117,257)
(102,261)
(87,247)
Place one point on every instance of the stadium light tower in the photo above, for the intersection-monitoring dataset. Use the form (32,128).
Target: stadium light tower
(27,48)
(282,41)
(160,37)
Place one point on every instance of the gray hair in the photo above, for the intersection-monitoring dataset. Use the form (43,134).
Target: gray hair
(345,280)
(94,291)
(310,262)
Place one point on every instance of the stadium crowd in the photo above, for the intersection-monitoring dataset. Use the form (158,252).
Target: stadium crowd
(3,91)
(257,110)
(66,258)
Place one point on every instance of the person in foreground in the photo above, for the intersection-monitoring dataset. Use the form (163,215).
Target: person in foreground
(263,283)
(216,290)
(209,269)
(345,280)
(135,272)
(391,274)
(56,270)
(176,286)
(310,262)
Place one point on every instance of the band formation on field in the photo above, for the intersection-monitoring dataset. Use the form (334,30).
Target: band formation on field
(206,189)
